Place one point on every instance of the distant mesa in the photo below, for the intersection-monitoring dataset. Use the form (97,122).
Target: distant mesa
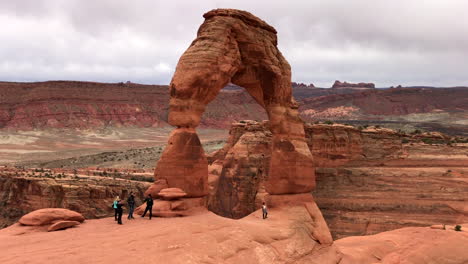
(339,84)
(302,85)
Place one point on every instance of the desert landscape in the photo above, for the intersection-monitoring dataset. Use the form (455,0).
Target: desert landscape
(237,163)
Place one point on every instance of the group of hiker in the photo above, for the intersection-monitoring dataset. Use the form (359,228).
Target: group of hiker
(118,210)
(117,205)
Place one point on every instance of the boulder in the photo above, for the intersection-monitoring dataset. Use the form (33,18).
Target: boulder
(48,216)
(158,205)
(62,225)
(172,193)
(157,186)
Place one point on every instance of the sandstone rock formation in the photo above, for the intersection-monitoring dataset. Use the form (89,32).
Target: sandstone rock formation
(415,245)
(91,105)
(296,85)
(89,195)
(48,216)
(399,104)
(60,225)
(172,193)
(233,46)
(72,104)
(290,235)
(339,84)
(367,180)
(183,163)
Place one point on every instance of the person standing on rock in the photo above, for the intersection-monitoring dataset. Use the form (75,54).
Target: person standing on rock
(264,211)
(119,212)
(114,205)
(131,205)
(149,206)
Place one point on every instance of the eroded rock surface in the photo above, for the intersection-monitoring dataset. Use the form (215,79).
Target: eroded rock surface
(91,196)
(415,245)
(368,181)
(48,216)
(60,225)
(234,46)
(289,235)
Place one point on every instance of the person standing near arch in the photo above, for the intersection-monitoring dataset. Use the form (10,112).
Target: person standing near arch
(149,206)
(264,211)
(131,205)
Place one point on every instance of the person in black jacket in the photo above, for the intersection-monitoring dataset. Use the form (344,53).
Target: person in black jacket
(149,206)
(131,206)
(119,211)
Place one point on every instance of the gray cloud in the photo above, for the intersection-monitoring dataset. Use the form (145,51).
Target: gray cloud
(409,42)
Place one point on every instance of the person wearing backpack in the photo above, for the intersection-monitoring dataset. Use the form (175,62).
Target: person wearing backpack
(114,205)
(131,206)
(149,206)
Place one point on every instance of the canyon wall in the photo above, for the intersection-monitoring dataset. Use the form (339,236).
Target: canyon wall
(92,196)
(91,105)
(368,181)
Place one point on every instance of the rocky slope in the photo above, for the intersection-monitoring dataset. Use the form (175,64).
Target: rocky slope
(24,191)
(368,181)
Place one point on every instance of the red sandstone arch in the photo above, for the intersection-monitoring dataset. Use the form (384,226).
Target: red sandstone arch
(234,46)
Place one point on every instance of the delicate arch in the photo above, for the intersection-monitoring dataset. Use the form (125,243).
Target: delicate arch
(234,46)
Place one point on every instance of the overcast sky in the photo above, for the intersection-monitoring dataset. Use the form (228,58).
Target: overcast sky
(408,42)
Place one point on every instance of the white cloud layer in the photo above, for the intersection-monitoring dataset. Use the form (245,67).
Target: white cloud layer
(409,42)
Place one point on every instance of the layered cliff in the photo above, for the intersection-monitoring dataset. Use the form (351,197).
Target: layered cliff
(22,192)
(368,181)
(388,104)
(73,104)
(83,105)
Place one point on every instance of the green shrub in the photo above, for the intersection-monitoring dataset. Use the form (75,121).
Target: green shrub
(458,228)
(404,141)
(328,122)
(427,141)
